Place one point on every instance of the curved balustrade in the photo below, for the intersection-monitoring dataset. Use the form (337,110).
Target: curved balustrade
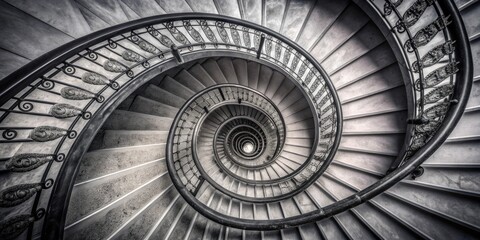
(82,79)
(428,48)
(186,165)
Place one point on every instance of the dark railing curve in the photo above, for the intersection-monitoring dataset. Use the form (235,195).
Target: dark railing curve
(172,160)
(22,78)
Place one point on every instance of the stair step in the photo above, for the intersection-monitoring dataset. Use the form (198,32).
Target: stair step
(293,98)
(282,92)
(253,74)
(228,70)
(395,121)
(252,12)
(367,38)
(374,60)
(375,143)
(139,226)
(467,126)
(126,120)
(430,225)
(124,138)
(448,153)
(152,107)
(360,180)
(448,204)
(296,124)
(332,230)
(386,78)
(87,199)
(186,79)
(214,71)
(160,229)
(100,162)
(388,100)
(372,162)
(241,70)
(173,86)
(462,179)
(353,17)
(385,225)
(163,96)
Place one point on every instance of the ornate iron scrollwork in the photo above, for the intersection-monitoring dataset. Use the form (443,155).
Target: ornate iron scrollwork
(63,110)
(437,111)
(73,93)
(429,127)
(143,44)
(13,227)
(433,56)
(95,78)
(426,34)
(113,65)
(419,140)
(132,56)
(164,40)
(438,93)
(49,133)
(18,194)
(208,32)
(246,37)
(222,32)
(28,161)
(192,31)
(411,16)
(388,8)
(437,76)
(235,35)
(177,34)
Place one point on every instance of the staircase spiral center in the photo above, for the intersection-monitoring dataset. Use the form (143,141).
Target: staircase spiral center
(248,147)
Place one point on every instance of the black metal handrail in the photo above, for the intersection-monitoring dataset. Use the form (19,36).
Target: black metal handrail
(438,100)
(183,133)
(35,75)
(108,45)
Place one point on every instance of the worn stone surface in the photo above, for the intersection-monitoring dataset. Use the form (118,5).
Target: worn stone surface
(63,15)
(296,14)
(9,62)
(109,11)
(36,37)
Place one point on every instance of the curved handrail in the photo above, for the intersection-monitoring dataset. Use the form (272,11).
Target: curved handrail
(176,131)
(27,75)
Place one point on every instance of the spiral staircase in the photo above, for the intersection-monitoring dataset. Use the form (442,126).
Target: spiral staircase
(224,119)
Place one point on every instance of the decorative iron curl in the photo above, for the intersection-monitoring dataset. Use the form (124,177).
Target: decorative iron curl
(48,183)
(47,84)
(134,38)
(112,44)
(130,73)
(69,69)
(72,134)
(40,213)
(86,115)
(92,55)
(100,98)
(9,134)
(60,157)
(114,85)
(25,106)
(146,64)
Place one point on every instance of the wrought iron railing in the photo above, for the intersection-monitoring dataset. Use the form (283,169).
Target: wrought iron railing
(429,53)
(185,164)
(52,107)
